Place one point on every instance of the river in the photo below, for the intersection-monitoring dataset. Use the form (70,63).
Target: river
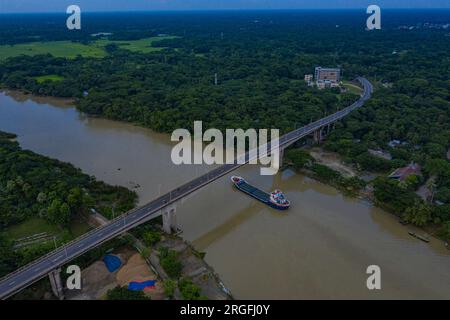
(320,248)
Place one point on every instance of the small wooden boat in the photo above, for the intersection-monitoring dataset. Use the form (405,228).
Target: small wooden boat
(418,236)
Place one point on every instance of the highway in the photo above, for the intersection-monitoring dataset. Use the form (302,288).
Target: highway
(40,268)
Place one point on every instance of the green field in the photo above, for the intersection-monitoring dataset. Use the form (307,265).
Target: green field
(30,227)
(71,50)
(142,45)
(37,225)
(352,88)
(66,49)
(50,77)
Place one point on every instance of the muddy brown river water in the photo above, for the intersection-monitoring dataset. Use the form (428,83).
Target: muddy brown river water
(320,248)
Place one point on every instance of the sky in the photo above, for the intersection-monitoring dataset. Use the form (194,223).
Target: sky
(22,6)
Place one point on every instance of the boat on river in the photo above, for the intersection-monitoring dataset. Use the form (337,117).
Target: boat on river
(275,199)
(420,237)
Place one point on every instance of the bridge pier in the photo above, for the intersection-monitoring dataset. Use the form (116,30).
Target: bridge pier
(56,283)
(169,215)
(318,136)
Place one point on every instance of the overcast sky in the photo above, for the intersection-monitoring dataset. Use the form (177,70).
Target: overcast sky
(122,5)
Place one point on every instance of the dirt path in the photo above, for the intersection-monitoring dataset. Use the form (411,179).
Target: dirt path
(332,160)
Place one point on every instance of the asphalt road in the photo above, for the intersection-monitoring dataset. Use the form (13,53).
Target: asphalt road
(39,268)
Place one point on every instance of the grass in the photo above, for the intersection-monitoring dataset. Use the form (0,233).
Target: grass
(352,88)
(30,227)
(65,49)
(37,225)
(79,227)
(142,45)
(68,49)
(50,77)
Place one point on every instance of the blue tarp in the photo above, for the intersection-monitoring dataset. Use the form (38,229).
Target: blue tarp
(138,286)
(112,262)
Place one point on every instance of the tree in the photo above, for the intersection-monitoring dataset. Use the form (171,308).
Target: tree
(299,158)
(419,214)
(150,238)
(169,287)
(443,195)
(170,263)
(189,290)
(64,214)
(53,211)
(445,230)
(75,199)
(437,167)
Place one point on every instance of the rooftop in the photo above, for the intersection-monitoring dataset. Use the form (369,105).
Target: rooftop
(402,173)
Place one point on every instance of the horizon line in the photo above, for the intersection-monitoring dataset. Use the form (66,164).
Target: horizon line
(222,10)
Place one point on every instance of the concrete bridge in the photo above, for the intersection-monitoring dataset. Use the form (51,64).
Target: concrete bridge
(165,205)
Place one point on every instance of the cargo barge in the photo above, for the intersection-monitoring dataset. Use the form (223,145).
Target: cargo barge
(275,199)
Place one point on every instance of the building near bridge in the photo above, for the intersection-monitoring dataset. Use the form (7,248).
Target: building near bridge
(327,77)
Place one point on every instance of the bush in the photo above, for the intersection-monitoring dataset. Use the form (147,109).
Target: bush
(122,293)
(169,287)
(443,195)
(299,158)
(325,173)
(170,263)
(372,163)
(150,238)
(393,198)
(189,290)
(353,183)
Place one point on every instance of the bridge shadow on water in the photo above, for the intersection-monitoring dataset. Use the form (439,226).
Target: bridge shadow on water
(246,213)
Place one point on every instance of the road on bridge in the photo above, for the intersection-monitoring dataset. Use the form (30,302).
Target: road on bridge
(41,267)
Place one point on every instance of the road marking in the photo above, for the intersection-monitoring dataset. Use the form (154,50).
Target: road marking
(11,283)
(57,258)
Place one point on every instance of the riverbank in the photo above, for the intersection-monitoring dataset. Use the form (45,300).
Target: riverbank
(258,253)
(366,192)
(34,239)
(150,240)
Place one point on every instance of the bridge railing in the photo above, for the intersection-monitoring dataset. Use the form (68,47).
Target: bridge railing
(308,128)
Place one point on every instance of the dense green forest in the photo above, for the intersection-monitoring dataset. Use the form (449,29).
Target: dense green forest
(260,59)
(33,186)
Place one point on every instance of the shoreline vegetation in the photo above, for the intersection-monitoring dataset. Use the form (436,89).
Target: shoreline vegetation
(7,135)
(28,211)
(353,185)
(372,191)
(43,202)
